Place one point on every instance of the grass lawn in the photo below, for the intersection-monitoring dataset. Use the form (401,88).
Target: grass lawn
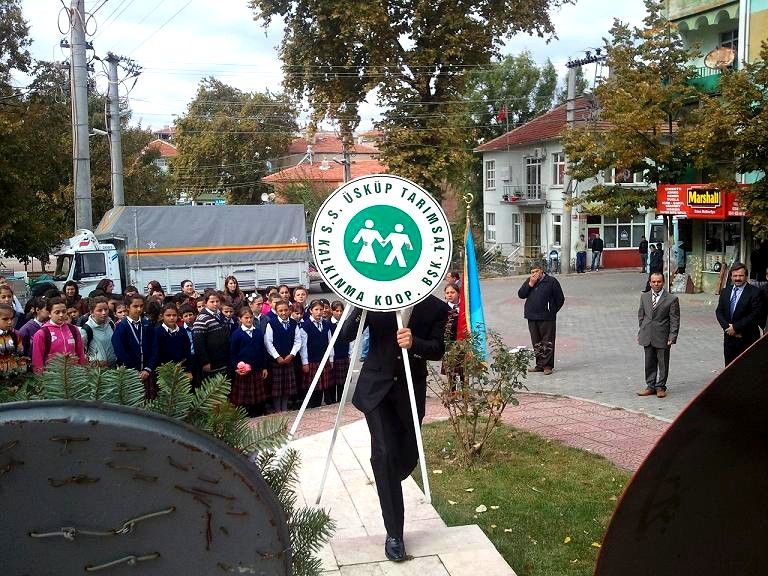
(554,502)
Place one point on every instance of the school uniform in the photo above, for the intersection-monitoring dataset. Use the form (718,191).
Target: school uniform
(173,346)
(193,365)
(298,370)
(134,344)
(247,345)
(282,339)
(313,347)
(341,351)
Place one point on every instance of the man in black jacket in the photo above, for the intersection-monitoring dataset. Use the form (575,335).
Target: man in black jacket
(738,313)
(382,395)
(597,252)
(543,299)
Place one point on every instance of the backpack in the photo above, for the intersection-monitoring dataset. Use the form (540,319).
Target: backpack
(89,334)
(47,335)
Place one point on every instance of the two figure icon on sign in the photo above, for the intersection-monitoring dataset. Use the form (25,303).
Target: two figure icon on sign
(397,240)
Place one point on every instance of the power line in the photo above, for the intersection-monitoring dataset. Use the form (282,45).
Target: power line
(179,11)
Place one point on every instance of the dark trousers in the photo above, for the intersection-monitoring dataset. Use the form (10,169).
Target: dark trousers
(543,333)
(597,260)
(644,262)
(733,347)
(581,261)
(394,455)
(656,367)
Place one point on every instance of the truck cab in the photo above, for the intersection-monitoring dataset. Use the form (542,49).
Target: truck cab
(85,260)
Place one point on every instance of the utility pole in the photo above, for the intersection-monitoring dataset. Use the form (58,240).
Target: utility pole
(116,146)
(347,162)
(565,224)
(81,154)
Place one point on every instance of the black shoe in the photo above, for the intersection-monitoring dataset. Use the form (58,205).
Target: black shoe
(394,549)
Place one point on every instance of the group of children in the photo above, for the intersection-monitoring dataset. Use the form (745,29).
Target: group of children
(270,346)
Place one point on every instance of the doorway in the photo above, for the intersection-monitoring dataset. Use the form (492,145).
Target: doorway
(532,235)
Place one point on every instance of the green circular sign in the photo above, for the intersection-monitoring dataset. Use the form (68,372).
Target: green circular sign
(382,243)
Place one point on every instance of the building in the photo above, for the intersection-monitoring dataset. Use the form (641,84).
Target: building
(323,146)
(523,186)
(166,150)
(322,177)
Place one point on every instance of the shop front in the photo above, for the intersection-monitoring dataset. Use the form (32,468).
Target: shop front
(711,232)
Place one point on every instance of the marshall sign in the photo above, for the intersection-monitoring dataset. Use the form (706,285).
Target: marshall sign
(697,201)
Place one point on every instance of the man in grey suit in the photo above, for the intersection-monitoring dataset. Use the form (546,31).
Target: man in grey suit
(659,318)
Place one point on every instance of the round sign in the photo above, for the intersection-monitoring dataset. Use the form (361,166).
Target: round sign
(381,242)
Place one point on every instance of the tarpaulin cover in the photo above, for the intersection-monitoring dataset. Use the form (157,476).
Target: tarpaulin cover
(161,236)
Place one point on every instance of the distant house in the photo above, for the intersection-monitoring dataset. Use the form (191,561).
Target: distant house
(323,146)
(166,150)
(523,188)
(321,177)
(165,133)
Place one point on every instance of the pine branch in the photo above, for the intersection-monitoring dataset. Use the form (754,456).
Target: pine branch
(98,384)
(174,397)
(212,392)
(230,424)
(65,379)
(267,434)
(310,528)
(124,387)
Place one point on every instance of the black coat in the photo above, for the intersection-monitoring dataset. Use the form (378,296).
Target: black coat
(383,369)
(745,320)
(544,300)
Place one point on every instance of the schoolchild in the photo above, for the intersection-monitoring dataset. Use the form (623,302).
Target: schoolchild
(7,297)
(133,342)
(283,342)
(228,311)
(57,336)
(172,342)
(73,315)
(211,337)
(97,334)
(327,312)
(340,353)
(256,304)
(39,316)
(12,360)
(248,359)
(456,375)
(274,300)
(300,296)
(299,315)
(284,292)
(152,311)
(200,303)
(188,314)
(318,336)
(121,311)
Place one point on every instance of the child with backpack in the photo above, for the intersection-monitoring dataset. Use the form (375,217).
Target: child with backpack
(38,316)
(57,336)
(97,333)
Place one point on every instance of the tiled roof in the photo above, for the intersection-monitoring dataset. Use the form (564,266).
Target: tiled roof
(328,144)
(334,172)
(545,127)
(166,149)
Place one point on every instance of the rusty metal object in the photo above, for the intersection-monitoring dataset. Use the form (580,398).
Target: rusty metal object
(698,504)
(127,492)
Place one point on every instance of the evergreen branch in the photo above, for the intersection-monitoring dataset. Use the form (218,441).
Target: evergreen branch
(98,384)
(267,434)
(65,379)
(174,398)
(124,387)
(212,392)
(310,529)
(230,424)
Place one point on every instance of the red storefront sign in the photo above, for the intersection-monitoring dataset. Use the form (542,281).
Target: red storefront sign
(697,201)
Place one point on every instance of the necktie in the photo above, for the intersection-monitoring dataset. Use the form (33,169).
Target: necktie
(734,297)
(655,299)
(319,326)
(248,331)
(285,325)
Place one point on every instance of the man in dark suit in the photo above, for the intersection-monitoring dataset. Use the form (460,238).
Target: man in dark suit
(382,395)
(738,312)
(659,320)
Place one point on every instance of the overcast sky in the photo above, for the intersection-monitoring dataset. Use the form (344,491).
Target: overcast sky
(178,42)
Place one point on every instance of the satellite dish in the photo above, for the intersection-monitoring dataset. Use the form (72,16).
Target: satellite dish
(720,58)
(264,197)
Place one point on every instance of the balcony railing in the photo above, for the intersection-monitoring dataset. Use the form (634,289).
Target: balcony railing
(707,79)
(528,193)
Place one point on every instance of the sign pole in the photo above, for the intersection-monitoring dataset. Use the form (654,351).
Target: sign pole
(415,414)
(340,413)
(316,379)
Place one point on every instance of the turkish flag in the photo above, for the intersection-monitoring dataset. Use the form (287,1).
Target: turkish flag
(502,115)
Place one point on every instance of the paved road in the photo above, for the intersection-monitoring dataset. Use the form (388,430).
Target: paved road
(597,355)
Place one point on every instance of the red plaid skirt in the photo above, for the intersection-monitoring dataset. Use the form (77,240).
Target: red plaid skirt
(339,372)
(248,390)
(325,378)
(283,380)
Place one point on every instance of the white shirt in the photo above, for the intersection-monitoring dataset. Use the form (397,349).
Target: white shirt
(311,325)
(271,347)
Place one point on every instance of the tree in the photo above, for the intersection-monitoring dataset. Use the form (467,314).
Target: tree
(733,130)
(227,139)
(14,41)
(415,53)
(643,115)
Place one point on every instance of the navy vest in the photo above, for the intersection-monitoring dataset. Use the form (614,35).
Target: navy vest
(282,339)
(317,341)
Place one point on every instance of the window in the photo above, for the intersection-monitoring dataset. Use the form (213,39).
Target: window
(558,169)
(722,236)
(533,177)
(730,39)
(608,175)
(490,174)
(490,226)
(557,227)
(90,264)
(516,235)
(623,232)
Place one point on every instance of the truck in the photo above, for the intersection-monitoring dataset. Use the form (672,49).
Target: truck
(262,245)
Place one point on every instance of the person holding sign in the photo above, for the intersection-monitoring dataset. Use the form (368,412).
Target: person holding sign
(382,395)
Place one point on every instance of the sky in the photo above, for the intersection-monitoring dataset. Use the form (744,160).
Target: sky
(179,42)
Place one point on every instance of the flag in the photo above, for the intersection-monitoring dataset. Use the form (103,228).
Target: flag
(471,316)
(502,115)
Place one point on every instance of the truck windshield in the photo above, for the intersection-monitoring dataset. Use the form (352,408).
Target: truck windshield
(63,263)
